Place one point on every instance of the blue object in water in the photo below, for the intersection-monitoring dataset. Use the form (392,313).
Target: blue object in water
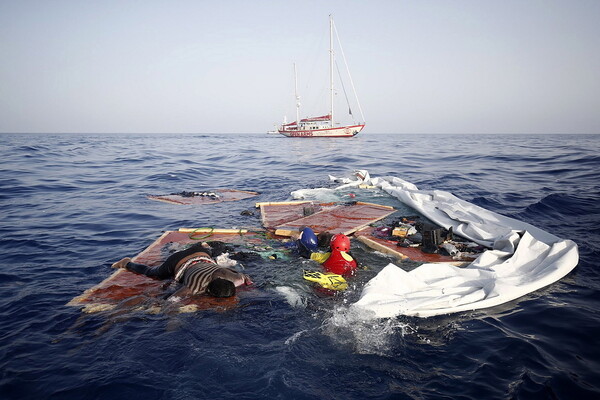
(307,241)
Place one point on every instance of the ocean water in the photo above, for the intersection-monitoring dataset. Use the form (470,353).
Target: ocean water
(71,205)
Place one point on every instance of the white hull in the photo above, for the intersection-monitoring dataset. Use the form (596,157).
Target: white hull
(343,131)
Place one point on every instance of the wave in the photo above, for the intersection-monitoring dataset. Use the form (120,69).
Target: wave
(73,204)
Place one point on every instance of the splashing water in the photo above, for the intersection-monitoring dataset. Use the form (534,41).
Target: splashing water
(358,329)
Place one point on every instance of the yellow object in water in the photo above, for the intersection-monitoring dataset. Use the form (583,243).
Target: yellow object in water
(327,280)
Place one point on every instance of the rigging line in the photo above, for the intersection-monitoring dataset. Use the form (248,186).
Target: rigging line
(344,90)
(348,71)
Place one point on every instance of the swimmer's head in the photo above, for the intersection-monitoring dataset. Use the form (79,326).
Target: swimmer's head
(324,239)
(340,242)
(220,288)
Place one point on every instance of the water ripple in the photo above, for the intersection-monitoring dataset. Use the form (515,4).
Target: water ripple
(73,204)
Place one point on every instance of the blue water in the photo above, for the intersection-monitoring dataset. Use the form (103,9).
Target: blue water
(70,205)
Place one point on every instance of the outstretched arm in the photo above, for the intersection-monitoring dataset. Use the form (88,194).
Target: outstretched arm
(183,291)
(237,278)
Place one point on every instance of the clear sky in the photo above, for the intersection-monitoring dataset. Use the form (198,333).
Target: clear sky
(419,66)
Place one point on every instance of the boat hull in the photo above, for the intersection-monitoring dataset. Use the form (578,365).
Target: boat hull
(343,131)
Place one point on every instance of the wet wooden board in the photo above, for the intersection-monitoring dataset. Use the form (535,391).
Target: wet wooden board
(344,219)
(224,195)
(124,284)
(275,214)
(365,235)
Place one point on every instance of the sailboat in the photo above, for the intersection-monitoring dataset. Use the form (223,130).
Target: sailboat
(325,125)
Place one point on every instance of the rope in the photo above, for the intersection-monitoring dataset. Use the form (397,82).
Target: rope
(344,89)
(192,233)
(348,72)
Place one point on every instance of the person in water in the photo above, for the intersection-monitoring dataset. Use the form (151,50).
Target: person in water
(307,242)
(338,260)
(196,269)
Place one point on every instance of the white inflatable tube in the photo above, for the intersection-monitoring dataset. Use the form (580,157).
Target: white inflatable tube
(522,259)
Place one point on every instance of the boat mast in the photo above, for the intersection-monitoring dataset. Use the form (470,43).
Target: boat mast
(297,98)
(331,67)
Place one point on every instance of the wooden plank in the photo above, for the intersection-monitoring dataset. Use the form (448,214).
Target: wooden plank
(402,253)
(380,247)
(280,203)
(224,195)
(213,230)
(286,232)
(373,204)
(344,219)
(122,284)
(273,215)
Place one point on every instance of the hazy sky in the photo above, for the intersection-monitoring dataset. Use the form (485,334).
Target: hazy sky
(506,66)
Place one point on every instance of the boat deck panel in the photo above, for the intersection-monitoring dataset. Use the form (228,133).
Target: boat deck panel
(224,195)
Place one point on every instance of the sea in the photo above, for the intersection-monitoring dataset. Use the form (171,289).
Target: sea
(72,204)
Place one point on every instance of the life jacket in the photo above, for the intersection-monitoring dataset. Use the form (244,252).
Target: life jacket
(341,263)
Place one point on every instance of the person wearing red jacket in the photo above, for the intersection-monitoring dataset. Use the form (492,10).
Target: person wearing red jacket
(338,260)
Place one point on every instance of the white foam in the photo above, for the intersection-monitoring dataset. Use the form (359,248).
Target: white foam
(367,335)
(295,337)
(319,194)
(292,296)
